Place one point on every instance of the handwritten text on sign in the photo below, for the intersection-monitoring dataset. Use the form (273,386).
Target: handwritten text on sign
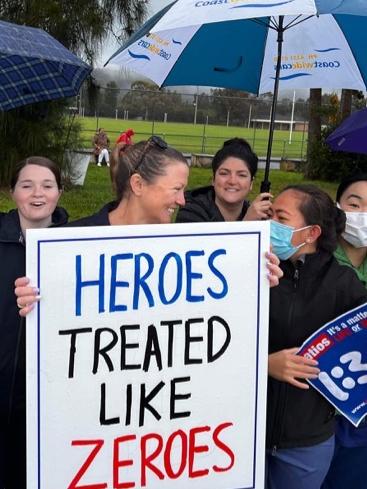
(147,362)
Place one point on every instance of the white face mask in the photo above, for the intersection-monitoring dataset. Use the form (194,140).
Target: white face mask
(356,229)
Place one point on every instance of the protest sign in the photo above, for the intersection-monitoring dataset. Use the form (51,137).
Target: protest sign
(147,357)
(340,347)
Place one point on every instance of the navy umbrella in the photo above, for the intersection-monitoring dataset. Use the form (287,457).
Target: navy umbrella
(351,135)
(35,67)
(253,45)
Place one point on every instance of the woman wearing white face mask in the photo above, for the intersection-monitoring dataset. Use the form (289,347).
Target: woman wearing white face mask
(351,197)
(349,468)
(314,290)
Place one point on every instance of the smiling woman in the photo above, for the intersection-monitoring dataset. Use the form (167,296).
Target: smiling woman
(35,189)
(234,168)
(149,178)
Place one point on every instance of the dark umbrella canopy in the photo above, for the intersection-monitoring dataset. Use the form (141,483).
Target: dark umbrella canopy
(35,67)
(351,135)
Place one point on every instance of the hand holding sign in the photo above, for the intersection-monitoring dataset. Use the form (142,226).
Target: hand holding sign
(286,366)
(26,295)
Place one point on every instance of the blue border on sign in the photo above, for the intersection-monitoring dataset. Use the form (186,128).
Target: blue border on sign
(109,238)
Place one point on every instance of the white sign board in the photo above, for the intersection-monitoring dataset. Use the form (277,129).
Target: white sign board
(147,356)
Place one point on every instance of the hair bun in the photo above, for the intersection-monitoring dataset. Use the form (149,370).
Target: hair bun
(236,141)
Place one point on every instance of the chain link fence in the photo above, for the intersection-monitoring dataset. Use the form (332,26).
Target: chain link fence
(210,118)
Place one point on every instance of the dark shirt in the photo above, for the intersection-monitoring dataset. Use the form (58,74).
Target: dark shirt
(100,218)
(200,206)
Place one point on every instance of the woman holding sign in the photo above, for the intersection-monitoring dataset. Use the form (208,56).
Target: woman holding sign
(35,187)
(150,178)
(315,289)
(234,168)
(349,468)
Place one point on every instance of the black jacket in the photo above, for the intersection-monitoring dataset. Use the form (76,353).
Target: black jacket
(100,218)
(201,207)
(12,257)
(308,296)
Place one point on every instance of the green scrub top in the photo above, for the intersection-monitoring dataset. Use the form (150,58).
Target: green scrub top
(361,271)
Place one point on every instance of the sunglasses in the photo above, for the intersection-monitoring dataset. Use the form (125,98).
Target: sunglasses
(152,141)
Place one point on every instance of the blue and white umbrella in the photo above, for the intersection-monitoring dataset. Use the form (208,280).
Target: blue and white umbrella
(35,67)
(253,45)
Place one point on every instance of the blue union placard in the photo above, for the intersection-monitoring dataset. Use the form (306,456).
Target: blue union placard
(340,347)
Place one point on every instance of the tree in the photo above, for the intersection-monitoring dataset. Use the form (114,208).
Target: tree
(230,105)
(314,128)
(346,103)
(143,100)
(110,100)
(350,100)
(81,26)
(322,162)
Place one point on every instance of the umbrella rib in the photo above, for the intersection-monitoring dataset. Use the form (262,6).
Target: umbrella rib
(274,23)
(293,22)
(270,25)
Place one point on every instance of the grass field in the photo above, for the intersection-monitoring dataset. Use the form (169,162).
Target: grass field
(190,138)
(82,201)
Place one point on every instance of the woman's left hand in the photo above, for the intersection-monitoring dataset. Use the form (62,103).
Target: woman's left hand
(259,208)
(275,272)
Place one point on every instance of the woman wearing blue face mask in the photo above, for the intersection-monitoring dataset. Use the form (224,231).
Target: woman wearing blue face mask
(315,289)
(348,467)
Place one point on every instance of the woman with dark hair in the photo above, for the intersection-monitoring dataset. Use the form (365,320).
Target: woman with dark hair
(315,289)
(234,168)
(35,187)
(348,467)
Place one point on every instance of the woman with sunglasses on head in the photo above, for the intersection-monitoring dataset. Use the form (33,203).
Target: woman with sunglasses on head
(149,178)
(234,168)
(35,188)
(348,467)
(315,289)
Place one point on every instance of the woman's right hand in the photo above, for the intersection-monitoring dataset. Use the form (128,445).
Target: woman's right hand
(286,366)
(26,295)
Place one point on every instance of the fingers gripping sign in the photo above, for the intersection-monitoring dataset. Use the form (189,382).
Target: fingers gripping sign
(26,295)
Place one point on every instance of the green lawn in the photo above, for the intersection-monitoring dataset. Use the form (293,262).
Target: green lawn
(82,201)
(192,138)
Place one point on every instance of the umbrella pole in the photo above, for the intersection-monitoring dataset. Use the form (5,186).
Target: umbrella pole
(265,184)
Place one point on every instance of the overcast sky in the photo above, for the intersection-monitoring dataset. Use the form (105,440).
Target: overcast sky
(155,5)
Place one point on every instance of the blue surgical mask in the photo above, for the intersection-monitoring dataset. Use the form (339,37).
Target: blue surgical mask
(281,239)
